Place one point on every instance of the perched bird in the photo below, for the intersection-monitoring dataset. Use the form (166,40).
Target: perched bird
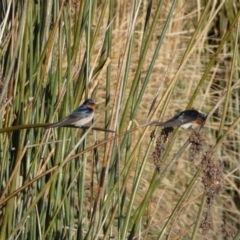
(184,119)
(79,117)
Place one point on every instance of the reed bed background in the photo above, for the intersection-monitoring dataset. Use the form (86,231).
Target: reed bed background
(140,61)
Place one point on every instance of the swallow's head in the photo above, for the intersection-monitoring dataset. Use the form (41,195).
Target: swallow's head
(90,104)
(201,119)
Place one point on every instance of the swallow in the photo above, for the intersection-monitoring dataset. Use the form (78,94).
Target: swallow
(79,117)
(184,119)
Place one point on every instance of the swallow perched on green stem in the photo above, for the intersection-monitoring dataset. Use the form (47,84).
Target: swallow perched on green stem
(79,117)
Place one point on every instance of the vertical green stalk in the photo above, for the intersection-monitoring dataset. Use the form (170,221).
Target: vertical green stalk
(138,70)
(6,222)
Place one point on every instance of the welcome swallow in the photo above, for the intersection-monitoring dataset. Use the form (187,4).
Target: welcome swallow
(79,117)
(184,119)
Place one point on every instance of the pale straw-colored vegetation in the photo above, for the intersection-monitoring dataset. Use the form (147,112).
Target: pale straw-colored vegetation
(72,183)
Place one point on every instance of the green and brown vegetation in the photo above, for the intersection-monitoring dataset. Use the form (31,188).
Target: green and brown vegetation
(140,61)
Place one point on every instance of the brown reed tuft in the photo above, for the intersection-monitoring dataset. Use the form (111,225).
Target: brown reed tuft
(212,180)
(196,139)
(227,231)
(165,135)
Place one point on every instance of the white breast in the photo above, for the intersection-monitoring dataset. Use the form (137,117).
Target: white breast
(186,125)
(84,121)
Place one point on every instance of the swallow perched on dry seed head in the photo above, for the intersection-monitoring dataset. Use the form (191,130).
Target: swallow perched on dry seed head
(184,119)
